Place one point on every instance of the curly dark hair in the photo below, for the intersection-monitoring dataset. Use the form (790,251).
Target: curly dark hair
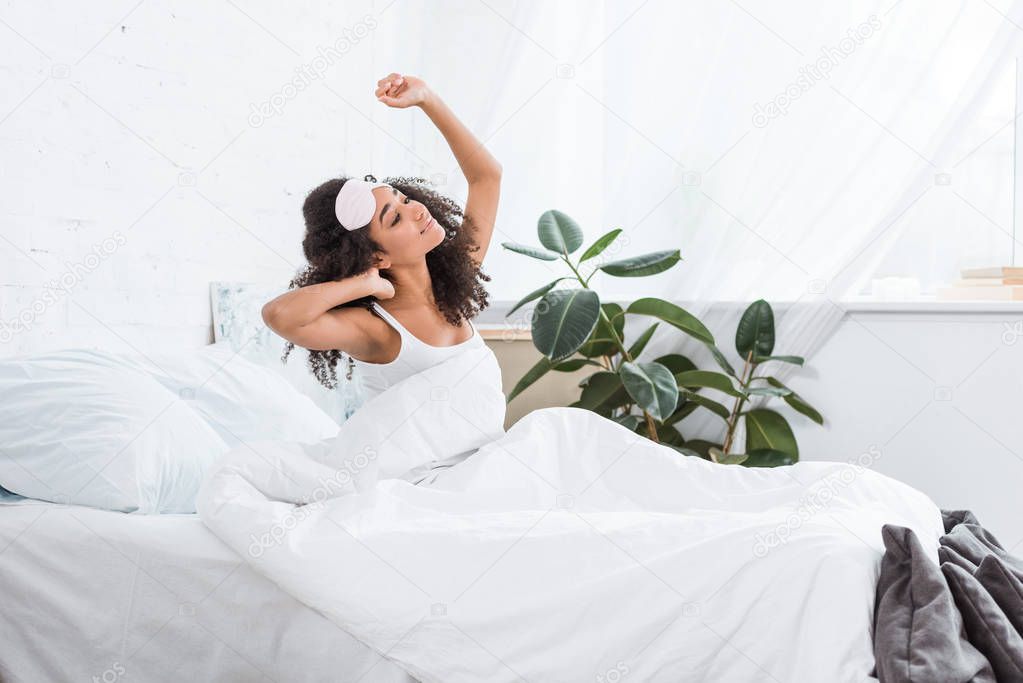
(335,253)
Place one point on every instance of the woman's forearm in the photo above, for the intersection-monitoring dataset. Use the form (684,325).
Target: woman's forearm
(473,158)
(302,306)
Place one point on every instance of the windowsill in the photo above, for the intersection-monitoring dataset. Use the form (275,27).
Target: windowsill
(503,334)
(492,323)
(930,305)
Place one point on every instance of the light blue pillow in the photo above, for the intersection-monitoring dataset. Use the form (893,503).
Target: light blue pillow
(81,427)
(239,399)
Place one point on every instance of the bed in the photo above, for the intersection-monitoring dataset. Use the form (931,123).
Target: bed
(99,595)
(108,572)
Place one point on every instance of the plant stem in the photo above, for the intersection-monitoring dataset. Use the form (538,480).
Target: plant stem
(733,419)
(575,271)
(651,427)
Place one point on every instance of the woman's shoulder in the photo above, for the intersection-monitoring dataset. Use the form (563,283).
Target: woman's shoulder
(378,336)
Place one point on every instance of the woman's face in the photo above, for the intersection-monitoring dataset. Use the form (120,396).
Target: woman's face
(403,227)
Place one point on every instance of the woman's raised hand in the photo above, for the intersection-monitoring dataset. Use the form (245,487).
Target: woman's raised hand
(380,287)
(401,91)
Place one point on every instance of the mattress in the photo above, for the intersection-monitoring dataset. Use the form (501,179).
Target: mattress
(96,595)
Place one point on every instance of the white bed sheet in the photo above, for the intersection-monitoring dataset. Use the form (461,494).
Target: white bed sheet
(97,595)
(567,549)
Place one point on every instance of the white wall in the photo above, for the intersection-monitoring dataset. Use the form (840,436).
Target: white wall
(133,129)
(938,396)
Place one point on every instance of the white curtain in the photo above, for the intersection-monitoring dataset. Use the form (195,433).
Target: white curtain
(792,151)
(800,205)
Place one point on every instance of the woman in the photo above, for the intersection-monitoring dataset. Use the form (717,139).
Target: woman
(399,242)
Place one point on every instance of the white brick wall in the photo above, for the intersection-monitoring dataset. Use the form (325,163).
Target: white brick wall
(138,126)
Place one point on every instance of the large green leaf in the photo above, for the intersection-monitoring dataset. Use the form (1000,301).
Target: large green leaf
(601,341)
(530,251)
(767,429)
(573,364)
(766,457)
(616,315)
(652,386)
(563,320)
(797,403)
(673,315)
(795,360)
(682,410)
(535,294)
(558,232)
(676,362)
(720,359)
(641,427)
(709,379)
(602,243)
(541,368)
(668,435)
(640,343)
(629,421)
(756,330)
(768,391)
(603,389)
(597,346)
(640,266)
(710,404)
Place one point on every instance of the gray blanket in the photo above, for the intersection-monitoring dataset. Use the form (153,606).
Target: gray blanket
(957,620)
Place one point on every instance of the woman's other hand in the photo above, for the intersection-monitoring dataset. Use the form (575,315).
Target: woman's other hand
(401,91)
(380,287)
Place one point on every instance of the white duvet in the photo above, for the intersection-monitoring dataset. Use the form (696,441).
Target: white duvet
(565,549)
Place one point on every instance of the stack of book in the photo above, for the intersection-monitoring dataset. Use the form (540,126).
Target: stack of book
(1000,283)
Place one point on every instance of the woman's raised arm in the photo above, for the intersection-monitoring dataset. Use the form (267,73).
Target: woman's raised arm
(307,317)
(481,169)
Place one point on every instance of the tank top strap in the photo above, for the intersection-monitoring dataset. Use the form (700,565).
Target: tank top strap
(405,334)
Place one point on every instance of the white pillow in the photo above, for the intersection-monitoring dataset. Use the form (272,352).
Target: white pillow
(81,427)
(241,401)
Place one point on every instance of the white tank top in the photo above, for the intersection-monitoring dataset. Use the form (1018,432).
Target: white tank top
(414,356)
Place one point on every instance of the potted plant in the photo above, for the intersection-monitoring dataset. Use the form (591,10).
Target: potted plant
(573,329)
